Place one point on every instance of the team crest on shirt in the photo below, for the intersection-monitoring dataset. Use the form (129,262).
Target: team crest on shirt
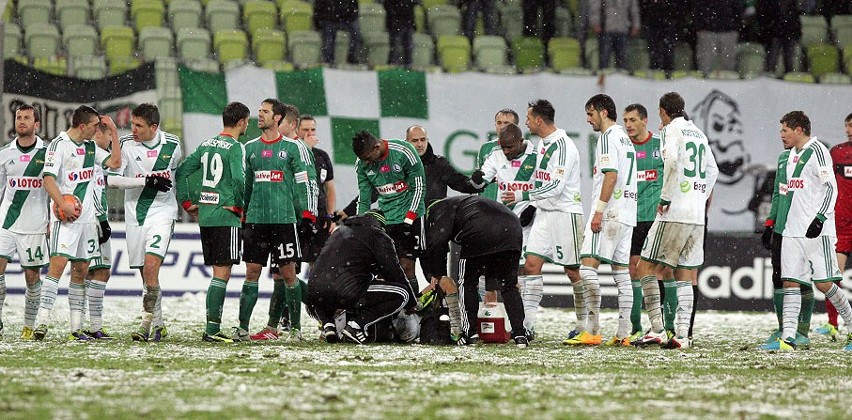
(656,154)
(282,155)
(397,168)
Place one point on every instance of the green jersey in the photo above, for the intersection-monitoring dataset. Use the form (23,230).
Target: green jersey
(780,205)
(279,181)
(649,175)
(400,180)
(486,150)
(301,206)
(223,180)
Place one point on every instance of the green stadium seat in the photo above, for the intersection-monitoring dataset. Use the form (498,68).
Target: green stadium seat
(109,13)
(683,57)
(564,53)
(171,109)
(11,39)
(208,65)
(155,42)
(166,74)
(279,65)
(80,40)
(511,20)
(638,55)
(799,77)
(193,43)
(296,15)
(843,36)
(88,67)
(419,19)
(529,54)
(9,12)
(72,12)
(422,56)
(305,48)
(443,20)
(119,65)
(341,48)
(184,14)
(814,30)
(230,45)
(822,59)
(377,45)
(269,45)
(454,53)
(259,14)
(53,65)
(564,23)
(592,57)
(681,74)
(42,40)
(222,15)
(147,13)
(835,79)
(751,59)
(576,71)
(371,17)
(117,41)
(430,3)
(490,52)
(34,11)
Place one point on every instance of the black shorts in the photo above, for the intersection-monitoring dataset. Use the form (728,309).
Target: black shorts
(278,240)
(221,245)
(313,245)
(500,270)
(408,240)
(640,232)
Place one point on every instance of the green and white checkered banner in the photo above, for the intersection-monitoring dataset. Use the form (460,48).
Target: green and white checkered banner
(739,117)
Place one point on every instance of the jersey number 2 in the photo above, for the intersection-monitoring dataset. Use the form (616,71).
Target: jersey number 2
(212,166)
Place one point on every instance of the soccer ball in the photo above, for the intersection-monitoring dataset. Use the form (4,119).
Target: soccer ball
(69,198)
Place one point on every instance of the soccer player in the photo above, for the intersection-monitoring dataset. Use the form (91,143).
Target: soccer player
(278,174)
(149,159)
(809,231)
(22,192)
(327,198)
(502,118)
(219,207)
(676,238)
(394,170)
(649,183)
(608,232)
(69,169)
(556,233)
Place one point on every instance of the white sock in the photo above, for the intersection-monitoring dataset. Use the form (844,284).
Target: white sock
(841,303)
(49,289)
(76,301)
(685,300)
(32,298)
(531,293)
(592,297)
(2,293)
(790,313)
(158,311)
(625,302)
(651,292)
(95,296)
(579,305)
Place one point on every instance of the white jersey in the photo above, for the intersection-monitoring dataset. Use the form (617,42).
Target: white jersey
(159,156)
(72,165)
(512,175)
(100,193)
(614,153)
(689,172)
(22,189)
(557,175)
(811,189)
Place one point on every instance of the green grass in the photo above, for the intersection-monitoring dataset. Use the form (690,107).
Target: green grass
(725,376)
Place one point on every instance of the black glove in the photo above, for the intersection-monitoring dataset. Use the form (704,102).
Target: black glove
(158,182)
(814,229)
(307,228)
(105,232)
(766,238)
(478,177)
(527,216)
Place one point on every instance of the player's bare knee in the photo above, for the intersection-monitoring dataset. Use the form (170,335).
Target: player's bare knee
(253,272)
(448,285)
(31,276)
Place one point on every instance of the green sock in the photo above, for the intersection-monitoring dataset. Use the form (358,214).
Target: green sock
(294,305)
(276,304)
(636,311)
(248,298)
(215,302)
(670,304)
(807,310)
(778,302)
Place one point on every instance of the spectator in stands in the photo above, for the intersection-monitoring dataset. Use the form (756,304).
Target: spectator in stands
(331,16)
(829,8)
(548,18)
(717,23)
(661,31)
(582,30)
(780,29)
(471,9)
(612,21)
(400,25)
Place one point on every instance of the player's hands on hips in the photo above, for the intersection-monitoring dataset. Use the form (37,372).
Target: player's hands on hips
(597,221)
(814,229)
(158,182)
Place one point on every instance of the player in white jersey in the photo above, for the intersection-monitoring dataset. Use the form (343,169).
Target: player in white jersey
(512,170)
(149,158)
(556,232)
(676,238)
(70,169)
(807,251)
(23,211)
(608,233)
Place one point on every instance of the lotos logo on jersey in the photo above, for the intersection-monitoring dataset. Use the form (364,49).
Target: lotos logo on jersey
(25,158)
(25,183)
(542,175)
(396,187)
(209,198)
(515,186)
(795,184)
(268,176)
(647,175)
(81,175)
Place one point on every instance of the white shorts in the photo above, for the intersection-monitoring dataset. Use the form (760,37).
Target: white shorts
(611,245)
(151,239)
(75,241)
(105,259)
(31,249)
(556,237)
(675,245)
(806,260)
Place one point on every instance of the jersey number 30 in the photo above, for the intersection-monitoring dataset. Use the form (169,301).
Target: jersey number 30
(212,166)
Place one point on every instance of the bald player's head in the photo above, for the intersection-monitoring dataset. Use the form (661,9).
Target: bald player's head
(511,141)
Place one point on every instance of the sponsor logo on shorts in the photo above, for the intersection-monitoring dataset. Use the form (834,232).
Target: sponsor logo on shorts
(25,183)
(25,158)
(796,184)
(81,175)
(396,187)
(647,175)
(152,153)
(268,176)
(209,198)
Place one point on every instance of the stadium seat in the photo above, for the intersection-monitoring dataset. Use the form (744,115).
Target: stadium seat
(511,20)
(490,54)
(80,40)
(454,53)
(814,30)
(193,43)
(269,45)
(296,15)
(208,65)
(117,41)
(799,77)
(119,65)
(305,48)
(377,46)
(259,14)
(53,65)
(279,65)
(419,19)
(683,57)
(576,71)
(42,40)
(109,13)
(822,59)
(34,11)
(751,59)
(680,74)
(422,56)
(564,53)
(72,12)
(222,15)
(147,13)
(835,79)
(230,45)
(638,55)
(184,14)
(88,67)
(592,57)
(166,73)
(529,53)
(443,20)
(155,42)
(341,48)
(9,12)
(11,40)
(371,17)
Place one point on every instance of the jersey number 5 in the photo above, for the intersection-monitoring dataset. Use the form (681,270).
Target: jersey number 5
(212,166)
